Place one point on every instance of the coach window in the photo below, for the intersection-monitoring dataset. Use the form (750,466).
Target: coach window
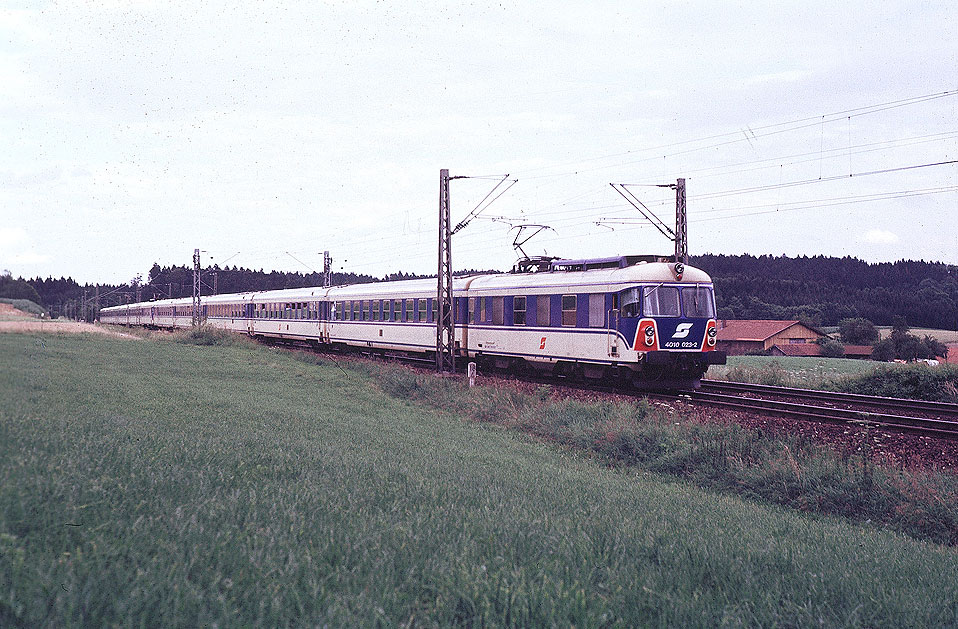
(498,306)
(568,310)
(597,310)
(660,301)
(631,300)
(519,310)
(397,310)
(543,310)
(435,311)
(422,310)
(407,314)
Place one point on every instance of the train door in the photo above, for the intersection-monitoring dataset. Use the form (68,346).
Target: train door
(152,315)
(612,333)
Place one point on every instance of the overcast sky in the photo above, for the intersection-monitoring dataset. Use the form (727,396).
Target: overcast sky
(265,133)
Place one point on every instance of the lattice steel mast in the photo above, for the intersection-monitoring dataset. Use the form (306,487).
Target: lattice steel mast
(445,325)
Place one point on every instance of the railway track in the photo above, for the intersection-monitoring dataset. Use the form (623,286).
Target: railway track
(930,419)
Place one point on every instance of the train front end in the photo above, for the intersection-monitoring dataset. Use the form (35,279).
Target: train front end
(668,319)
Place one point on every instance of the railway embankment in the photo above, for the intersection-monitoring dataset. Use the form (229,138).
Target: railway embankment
(909,484)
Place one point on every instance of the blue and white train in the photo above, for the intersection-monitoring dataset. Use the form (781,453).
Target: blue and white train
(637,318)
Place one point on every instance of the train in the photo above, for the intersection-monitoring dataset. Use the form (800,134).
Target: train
(644,320)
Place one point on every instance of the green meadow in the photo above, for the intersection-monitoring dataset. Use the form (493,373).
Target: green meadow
(156,483)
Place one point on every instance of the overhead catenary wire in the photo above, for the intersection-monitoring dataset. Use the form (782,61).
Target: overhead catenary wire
(568,211)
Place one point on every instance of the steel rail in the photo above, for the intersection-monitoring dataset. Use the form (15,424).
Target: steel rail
(939,428)
(942,409)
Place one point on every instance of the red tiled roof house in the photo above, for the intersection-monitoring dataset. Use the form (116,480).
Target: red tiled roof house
(742,336)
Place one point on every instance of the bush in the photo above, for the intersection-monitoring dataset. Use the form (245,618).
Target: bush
(858,331)
(832,349)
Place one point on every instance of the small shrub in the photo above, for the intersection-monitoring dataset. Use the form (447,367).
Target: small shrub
(208,335)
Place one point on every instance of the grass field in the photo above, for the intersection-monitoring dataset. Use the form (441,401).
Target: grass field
(795,371)
(162,484)
(945,336)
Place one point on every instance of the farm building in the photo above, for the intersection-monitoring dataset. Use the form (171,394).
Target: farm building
(740,336)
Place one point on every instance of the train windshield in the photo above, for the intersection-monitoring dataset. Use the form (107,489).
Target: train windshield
(667,301)
(660,301)
(697,302)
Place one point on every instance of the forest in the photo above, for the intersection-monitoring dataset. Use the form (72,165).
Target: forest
(817,290)
(821,290)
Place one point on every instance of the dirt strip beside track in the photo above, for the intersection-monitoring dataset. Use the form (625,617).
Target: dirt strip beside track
(16,321)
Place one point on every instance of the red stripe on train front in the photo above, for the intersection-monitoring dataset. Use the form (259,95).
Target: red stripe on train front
(711,336)
(646,336)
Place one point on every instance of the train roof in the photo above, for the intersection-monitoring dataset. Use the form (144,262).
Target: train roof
(605,275)
(609,278)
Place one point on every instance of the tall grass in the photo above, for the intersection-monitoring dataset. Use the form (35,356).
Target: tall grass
(206,335)
(166,484)
(790,371)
